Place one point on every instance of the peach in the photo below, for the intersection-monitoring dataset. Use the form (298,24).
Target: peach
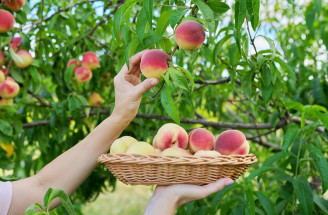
(2,59)
(26,58)
(15,43)
(6,102)
(200,139)
(7,21)
(122,144)
(15,5)
(4,70)
(83,74)
(141,148)
(74,62)
(90,60)
(9,88)
(175,152)
(154,63)
(189,35)
(232,142)
(205,153)
(95,99)
(2,76)
(170,135)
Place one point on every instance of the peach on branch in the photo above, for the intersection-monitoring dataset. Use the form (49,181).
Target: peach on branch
(189,35)
(2,76)
(122,144)
(232,142)
(7,21)
(26,58)
(14,5)
(95,99)
(2,59)
(4,70)
(175,152)
(154,63)
(15,43)
(9,88)
(170,135)
(200,139)
(205,153)
(90,60)
(6,102)
(83,74)
(141,148)
(74,62)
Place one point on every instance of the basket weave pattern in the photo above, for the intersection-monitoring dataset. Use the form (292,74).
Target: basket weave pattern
(137,169)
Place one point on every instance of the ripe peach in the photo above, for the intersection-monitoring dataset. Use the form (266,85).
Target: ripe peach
(2,76)
(122,144)
(2,59)
(7,21)
(170,135)
(200,139)
(74,62)
(15,43)
(189,35)
(9,88)
(141,148)
(15,5)
(95,99)
(6,102)
(153,63)
(83,74)
(175,152)
(26,58)
(4,70)
(204,153)
(232,142)
(90,60)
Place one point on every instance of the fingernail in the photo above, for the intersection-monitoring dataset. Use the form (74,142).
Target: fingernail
(154,82)
(228,181)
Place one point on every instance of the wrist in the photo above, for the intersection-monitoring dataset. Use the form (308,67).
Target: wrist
(121,116)
(163,202)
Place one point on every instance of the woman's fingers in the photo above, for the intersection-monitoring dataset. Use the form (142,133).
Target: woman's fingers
(216,186)
(145,86)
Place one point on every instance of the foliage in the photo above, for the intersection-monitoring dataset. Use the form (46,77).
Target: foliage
(262,69)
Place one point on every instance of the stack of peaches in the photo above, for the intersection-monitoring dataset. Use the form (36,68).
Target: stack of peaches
(172,139)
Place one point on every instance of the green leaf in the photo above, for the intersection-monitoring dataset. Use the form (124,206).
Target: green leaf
(272,46)
(285,66)
(218,6)
(240,13)
(207,14)
(188,74)
(131,50)
(178,78)
(177,16)
(256,14)
(267,92)
(246,83)
(289,137)
(168,104)
(266,203)
(117,23)
(321,203)
(149,41)
(218,47)
(63,197)
(304,194)
(266,75)
(148,6)
(15,57)
(35,75)
(69,73)
(74,106)
(318,92)
(6,128)
(163,22)
(141,25)
(260,60)
(249,200)
(35,209)
(262,170)
(321,164)
(165,45)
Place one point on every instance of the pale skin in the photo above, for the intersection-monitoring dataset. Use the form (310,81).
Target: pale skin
(82,157)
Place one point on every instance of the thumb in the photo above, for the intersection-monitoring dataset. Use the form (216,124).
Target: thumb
(146,85)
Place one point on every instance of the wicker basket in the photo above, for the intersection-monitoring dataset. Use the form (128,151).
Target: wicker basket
(137,169)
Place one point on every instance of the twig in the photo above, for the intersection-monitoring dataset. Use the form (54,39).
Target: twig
(44,103)
(159,90)
(250,37)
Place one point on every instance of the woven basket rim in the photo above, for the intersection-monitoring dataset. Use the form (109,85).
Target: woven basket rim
(177,160)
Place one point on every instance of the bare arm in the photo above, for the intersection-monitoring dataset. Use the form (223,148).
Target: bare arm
(70,169)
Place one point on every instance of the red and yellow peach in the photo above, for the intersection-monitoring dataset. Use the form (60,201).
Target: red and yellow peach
(83,74)
(7,21)
(26,58)
(154,63)
(95,99)
(141,148)
(9,88)
(14,5)
(189,35)
(232,142)
(175,152)
(200,139)
(15,43)
(90,60)
(171,135)
(74,62)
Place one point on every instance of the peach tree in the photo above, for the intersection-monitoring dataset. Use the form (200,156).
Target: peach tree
(262,69)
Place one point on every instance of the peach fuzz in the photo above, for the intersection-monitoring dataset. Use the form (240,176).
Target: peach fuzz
(170,135)
(7,21)
(2,59)
(90,60)
(26,58)
(154,63)
(9,88)
(175,152)
(15,43)
(204,153)
(141,148)
(74,62)
(200,139)
(232,142)
(15,5)
(95,99)
(189,35)
(2,76)
(83,74)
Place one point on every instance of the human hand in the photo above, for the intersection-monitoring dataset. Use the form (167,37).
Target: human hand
(166,199)
(129,89)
